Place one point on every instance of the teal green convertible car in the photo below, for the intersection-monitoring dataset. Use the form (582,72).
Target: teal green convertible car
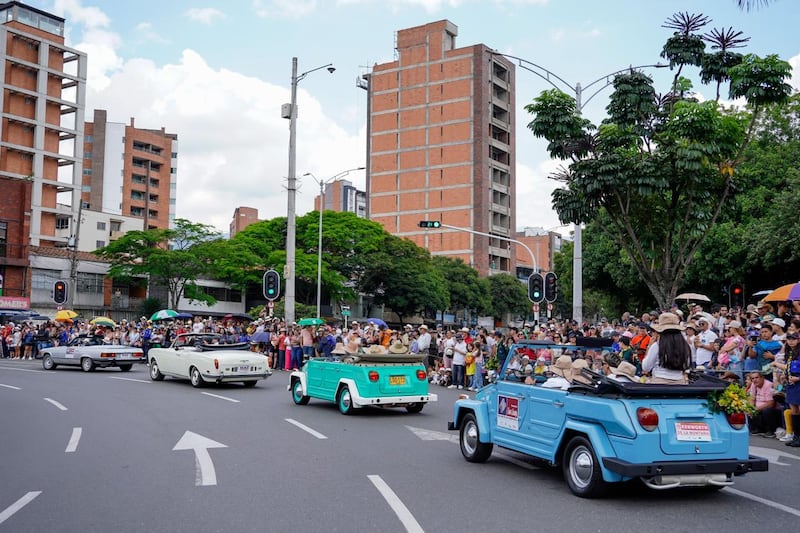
(357,380)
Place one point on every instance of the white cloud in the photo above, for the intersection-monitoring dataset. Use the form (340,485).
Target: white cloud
(795,79)
(560,34)
(534,189)
(147,33)
(434,6)
(205,15)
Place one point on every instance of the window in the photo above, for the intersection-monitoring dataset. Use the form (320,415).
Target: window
(87,155)
(116,225)
(137,211)
(44,279)
(91,283)
(88,138)
(62,222)
(101,225)
(87,171)
(3,238)
(99,244)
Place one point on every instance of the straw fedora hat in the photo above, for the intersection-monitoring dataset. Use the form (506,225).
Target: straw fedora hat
(339,349)
(576,367)
(563,367)
(668,321)
(626,370)
(376,349)
(398,347)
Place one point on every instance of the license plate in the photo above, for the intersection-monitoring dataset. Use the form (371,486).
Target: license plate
(244,368)
(123,356)
(692,431)
(397,380)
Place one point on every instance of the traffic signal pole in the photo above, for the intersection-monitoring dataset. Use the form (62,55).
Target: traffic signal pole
(498,237)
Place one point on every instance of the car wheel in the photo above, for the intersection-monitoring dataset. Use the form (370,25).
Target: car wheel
(415,407)
(472,448)
(582,469)
(47,362)
(87,365)
(297,393)
(249,384)
(345,401)
(195,377)
(125,368)
(155,373)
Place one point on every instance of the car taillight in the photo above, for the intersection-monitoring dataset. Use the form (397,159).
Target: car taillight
(107,355)
(648,418)
(216,364)
(737,420)
(422,375)
(373,376)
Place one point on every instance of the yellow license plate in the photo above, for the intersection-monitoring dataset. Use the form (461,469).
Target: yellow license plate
(397,380)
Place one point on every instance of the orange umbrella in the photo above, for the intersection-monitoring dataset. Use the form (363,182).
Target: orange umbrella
(64,315)
(787,292)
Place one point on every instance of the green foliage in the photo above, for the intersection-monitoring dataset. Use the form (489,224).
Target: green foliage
(509,295)
(660,170)
(467,290)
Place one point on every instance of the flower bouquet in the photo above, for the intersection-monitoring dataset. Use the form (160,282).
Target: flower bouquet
(734,399)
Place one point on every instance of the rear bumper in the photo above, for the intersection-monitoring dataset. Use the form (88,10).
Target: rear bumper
(677,468)
(395,400)
(227,378)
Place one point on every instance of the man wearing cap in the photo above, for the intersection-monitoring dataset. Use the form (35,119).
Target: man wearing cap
(779,329)
(704,342)
(765,349)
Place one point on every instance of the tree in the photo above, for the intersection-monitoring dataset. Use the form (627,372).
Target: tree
(467,290)
(175,258)
(747,5)
(400,275)
(509,295)
(660,168)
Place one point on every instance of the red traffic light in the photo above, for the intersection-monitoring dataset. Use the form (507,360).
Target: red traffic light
(737,290)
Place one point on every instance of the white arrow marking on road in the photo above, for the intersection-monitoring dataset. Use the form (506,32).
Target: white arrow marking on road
(17,505)
(55,403)
(10,387)
(131,379)
(206,475)
(43,372)
(72,445)
(772,455)
(220,397)
(305,428)
(399,508)
(429,434)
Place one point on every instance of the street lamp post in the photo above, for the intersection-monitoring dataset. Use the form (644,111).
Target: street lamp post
(322,184)
(577,90)
(291,188)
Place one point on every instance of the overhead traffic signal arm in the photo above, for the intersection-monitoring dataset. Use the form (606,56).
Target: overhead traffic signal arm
(430,224)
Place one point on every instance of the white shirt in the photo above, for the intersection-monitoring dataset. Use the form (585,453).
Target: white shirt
(704,354)
(650,364)
(459,353)
(424,342)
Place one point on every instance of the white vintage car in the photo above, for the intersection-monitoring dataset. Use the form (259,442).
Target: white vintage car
(203,358)
(90,352)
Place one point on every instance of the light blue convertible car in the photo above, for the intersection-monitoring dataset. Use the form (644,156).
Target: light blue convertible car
(604,430)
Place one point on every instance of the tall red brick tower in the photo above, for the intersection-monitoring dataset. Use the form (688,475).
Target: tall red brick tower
(441,146)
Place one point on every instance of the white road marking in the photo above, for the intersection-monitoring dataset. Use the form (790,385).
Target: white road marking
(772,455)
(17,505)
(220,397)
(131,379)
(206,475)
(306,428)
(759,499)
(399,508)
(43,372)
(72,445)
(430,434)
(10,387)
(56,404)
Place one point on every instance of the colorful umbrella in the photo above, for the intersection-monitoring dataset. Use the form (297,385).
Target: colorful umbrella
(64,315)
(310,322)
(164,314)
(103,321)
(377,321)
(787,292)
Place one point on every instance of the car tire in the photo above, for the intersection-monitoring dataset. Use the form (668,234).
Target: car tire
(297,393)
(47,362)
(415,407)
(155,373)
(249,384)
(344,401)
(472,448)
(582,470)
(125,368)
(195,377)
(87,365)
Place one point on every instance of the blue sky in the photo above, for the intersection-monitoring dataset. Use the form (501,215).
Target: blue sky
(216,73)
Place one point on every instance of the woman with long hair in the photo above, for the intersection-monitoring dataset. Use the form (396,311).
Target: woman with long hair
(668,356)
(791,368)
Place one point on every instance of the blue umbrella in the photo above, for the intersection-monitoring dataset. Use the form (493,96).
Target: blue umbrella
(261,336)
(377,321)
(184,316)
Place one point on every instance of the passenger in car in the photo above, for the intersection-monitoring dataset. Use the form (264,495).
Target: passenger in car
(669,356)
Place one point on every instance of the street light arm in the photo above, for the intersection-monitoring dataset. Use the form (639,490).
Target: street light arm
(306,73)
(530,67)
(609,79)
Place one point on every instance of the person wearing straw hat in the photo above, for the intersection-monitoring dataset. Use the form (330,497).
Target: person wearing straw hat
(625,372)
(562,374)
(669,357)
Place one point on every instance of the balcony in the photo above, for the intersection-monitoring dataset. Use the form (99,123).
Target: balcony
(14,254)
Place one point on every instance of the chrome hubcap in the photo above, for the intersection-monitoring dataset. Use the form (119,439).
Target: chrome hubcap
(582,466)
(470,437)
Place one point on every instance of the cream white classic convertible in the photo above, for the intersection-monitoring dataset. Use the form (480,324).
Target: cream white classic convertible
(203,358)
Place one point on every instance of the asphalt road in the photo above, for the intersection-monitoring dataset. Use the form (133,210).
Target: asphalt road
(86,452)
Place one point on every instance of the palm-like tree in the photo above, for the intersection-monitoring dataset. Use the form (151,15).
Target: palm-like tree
(747,5)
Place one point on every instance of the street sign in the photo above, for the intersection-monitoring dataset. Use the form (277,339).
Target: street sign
(271,304)
(536,308)
(345,312)
(550,307)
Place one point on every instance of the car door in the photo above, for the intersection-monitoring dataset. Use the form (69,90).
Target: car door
(508,412)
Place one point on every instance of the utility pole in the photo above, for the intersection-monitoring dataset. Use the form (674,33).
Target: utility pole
(73,260)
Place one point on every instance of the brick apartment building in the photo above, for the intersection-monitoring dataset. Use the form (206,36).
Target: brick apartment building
(41,140)
(343,196)
(441,146)
(242,217)
(141,163)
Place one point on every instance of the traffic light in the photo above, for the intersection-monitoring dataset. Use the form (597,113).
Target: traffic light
(535,282)
(429,224)
(737,295)
(60,292)
(550,286)
(272,285)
